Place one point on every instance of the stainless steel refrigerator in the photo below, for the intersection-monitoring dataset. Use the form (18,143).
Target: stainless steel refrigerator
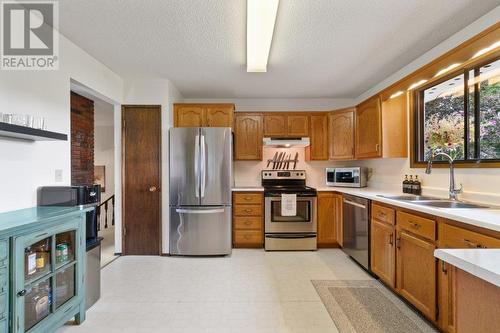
(200,190)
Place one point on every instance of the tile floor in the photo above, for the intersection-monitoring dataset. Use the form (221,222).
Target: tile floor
(250,291)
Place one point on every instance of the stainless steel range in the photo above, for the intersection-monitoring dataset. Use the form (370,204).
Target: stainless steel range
(282,231)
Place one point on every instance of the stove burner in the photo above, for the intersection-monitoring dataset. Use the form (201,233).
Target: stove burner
(276,183)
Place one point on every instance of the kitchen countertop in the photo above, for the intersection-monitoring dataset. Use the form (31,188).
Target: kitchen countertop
(13,220)
(479,217)
(248,189)
(482,263)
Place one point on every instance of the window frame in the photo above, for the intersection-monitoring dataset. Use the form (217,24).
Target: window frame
(417,124)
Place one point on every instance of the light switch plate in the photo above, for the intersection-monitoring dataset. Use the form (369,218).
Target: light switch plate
(58,176)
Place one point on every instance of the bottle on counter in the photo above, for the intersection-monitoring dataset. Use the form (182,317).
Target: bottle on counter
(405,184)
(417,186)
(410,185)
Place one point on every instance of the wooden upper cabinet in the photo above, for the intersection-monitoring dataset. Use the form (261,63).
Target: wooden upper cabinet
(297,125)
(275,125)
(220,115)
(369,129)
(187,115)
(395,127)
(341,134)
(248,136)
(203,115)
(318,150)
(329,219)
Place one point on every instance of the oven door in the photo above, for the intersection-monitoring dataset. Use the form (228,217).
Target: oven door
(303,221)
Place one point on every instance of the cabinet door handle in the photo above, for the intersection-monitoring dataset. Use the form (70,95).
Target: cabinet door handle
(248,222)
(471,243)
(248,198)
(443,267)
(391,242)
(248,210)
(21,293)
(414,225)
(398,242)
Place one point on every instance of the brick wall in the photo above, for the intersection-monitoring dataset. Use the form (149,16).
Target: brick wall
(82,140)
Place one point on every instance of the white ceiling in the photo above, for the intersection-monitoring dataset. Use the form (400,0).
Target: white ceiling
(321,48)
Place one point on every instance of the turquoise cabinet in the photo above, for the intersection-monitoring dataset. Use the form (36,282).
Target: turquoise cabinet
(42,270)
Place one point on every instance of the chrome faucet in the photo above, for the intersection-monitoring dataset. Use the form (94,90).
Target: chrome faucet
(453,192)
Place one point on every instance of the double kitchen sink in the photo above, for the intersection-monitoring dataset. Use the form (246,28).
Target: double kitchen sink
(433,202)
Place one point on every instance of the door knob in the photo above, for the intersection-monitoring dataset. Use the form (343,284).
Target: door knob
(152,189)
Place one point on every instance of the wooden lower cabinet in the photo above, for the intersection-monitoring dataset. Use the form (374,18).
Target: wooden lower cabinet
(446,297)
(329,219)
(416,272)
(477,304)
(408,265)
(454,237)
(383,252)
(248,220)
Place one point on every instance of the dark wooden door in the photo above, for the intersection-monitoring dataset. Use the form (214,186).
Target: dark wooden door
(141,165)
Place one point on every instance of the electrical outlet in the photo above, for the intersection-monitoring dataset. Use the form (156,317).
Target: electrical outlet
(58,176)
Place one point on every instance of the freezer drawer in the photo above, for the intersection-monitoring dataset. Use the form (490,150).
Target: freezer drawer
(200,231)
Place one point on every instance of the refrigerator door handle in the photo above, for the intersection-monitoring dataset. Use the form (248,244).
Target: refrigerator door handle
(199,211)
(197,164)
(203,167)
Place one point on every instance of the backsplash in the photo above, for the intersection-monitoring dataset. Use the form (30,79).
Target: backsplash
(247,173)
(481,185)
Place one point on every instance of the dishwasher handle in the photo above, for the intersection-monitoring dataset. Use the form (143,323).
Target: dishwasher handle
(349,202)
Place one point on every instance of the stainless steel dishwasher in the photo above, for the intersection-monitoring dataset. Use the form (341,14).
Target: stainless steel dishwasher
(356,229)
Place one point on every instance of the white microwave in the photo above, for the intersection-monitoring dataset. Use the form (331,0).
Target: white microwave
(347,177)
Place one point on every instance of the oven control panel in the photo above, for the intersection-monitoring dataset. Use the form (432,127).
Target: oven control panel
(284,174)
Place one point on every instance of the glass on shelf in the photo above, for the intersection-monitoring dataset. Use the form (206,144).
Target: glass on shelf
(37,303)
(65,285)
(65,248)
(37,260)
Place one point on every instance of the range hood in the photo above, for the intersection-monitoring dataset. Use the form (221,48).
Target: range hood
(286,142)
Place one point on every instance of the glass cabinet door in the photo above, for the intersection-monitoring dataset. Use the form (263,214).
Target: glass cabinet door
(45,274)
(65,248)
(65,285)
(37,303)
(37,260)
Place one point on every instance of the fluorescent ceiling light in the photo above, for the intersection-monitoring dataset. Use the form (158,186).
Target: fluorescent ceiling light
(416,84)
(261,17)
(396,94)
(447,69)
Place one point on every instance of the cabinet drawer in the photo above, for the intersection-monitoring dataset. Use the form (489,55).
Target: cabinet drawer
(456,237)
(247,222)
(248,238)
(383,214)
(417,225)
(248,198)
(248,210)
